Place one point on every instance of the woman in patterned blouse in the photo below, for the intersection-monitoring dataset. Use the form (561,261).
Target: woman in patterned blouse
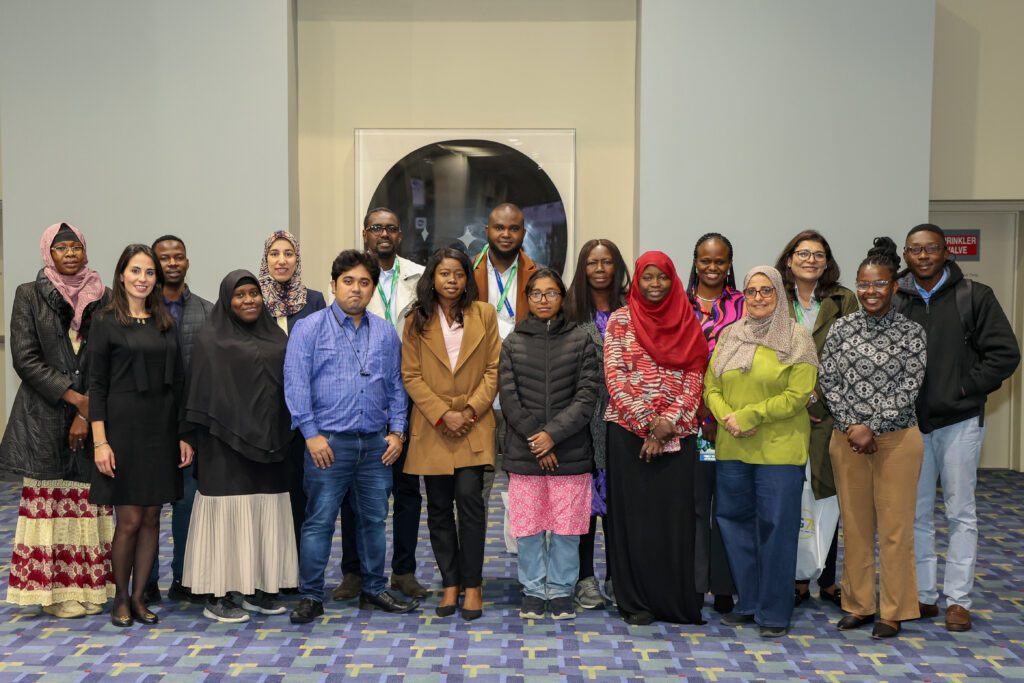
(872,368)
(717,304)
(654,354)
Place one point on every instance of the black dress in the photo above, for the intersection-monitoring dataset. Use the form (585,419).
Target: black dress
(135,381)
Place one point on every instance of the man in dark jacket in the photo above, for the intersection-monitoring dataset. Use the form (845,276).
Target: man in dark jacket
(971,351)
(189,312)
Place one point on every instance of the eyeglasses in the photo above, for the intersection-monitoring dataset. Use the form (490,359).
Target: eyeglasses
(66,249)
(377,229)
(916,250)
(807,254)
(874,284)
(536,296)
(765,292)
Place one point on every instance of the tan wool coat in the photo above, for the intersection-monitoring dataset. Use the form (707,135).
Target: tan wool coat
(436,389)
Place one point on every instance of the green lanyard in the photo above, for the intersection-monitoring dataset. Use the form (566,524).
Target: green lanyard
(503,288)
(798,310)
(394,287)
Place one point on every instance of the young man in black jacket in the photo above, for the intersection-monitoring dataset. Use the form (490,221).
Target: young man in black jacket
(971,351)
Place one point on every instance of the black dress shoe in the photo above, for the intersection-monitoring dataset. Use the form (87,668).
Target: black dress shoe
(852,621)
(151,593)
(733,619)
(182,593)
(145,617)
(445,610)
(122,621)
(308,610)
(881,631)
(835,597)
(639,619)
(724,604)
(800,597)
(471,614)
(386,602)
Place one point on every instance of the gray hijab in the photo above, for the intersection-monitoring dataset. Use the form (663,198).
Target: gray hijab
(778,332)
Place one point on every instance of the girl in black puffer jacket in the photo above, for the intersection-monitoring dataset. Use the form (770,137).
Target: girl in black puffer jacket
(548,389)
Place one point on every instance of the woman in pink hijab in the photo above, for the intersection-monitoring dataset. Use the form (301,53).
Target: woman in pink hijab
(61,558)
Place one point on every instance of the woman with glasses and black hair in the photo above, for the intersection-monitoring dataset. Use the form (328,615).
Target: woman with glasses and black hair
(450,355)
(135,386)
(548,389)
(872,369)
(598,287)
(811,277)
(761,374)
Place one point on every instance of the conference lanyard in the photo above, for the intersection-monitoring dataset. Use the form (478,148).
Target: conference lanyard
(394,287)
(798,310)
(503,288)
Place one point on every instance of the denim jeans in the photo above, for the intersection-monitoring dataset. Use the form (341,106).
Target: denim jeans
(549,568)
(952,455)
(357,467)
(181,513)
(759,515)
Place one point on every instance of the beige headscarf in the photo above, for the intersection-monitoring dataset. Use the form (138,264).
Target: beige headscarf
(779,332)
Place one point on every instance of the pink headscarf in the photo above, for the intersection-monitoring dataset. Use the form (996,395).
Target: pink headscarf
(80,289)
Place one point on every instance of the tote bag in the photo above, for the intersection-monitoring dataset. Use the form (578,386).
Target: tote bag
(818,521)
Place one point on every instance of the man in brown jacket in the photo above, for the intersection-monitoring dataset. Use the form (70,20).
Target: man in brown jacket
(501,271)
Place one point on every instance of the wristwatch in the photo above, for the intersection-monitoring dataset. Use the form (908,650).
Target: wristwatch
(400,435)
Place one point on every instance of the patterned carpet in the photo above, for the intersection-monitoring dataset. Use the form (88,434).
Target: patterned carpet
(364,646)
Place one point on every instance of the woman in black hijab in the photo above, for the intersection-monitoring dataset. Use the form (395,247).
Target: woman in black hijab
(240,536)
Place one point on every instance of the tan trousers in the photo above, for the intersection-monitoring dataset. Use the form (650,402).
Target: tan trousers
(877,492)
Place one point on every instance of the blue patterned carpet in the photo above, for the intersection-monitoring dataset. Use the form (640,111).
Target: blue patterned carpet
(364,646)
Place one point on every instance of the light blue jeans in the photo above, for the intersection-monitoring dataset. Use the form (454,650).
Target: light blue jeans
(952,455)
(549,569)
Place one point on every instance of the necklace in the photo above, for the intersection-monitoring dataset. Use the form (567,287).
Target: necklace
(139,320)
(709,301)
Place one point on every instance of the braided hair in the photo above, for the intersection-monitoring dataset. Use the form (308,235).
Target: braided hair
(883,253)
(730,277)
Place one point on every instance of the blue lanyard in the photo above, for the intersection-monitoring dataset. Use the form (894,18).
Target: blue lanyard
(504,289)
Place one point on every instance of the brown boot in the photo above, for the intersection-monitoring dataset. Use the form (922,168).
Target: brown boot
(351,585)
(407,584)
(958,619)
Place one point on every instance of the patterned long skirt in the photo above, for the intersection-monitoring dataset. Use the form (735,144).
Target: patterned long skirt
(61,546)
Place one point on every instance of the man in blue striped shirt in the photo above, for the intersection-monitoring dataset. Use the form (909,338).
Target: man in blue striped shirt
(343,386)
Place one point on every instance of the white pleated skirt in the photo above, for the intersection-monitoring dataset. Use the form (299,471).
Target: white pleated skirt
(241,543)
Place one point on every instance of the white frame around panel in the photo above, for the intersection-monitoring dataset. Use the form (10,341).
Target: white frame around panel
(554,149)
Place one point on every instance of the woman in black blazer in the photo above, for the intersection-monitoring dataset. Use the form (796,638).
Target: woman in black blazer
(288,301)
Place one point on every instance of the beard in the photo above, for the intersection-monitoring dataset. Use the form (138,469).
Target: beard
(505,254)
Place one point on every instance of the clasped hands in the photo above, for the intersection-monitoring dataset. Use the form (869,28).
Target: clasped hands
(861,439)
(733,427)
(455,424)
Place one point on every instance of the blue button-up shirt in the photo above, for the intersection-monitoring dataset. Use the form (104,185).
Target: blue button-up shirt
(926,294)
(343,378)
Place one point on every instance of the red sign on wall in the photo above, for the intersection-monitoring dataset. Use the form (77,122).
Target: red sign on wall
(963,245)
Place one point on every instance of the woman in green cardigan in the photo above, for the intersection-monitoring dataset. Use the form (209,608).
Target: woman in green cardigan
(811,277)
(761,374)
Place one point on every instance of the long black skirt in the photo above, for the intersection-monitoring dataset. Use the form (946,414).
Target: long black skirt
(651,546)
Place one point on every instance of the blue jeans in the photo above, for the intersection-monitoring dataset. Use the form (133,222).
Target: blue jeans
(759,515)
(952,455)
(181,514)
(549,569)
(357,466)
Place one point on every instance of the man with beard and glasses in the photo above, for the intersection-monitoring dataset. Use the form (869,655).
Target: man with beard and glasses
(189,312)
(501,271)
(392,299)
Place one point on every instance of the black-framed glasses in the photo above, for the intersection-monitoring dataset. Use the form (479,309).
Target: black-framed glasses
(377,229)
(873,284)
(537,296)
(765,292)
(930,249)
(68,249)
(807,254)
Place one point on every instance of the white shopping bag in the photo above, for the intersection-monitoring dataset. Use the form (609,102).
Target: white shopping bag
(818,520)
(511,544)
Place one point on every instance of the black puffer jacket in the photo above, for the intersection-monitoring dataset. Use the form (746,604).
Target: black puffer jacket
(35,443)
(196,311)
(547,381)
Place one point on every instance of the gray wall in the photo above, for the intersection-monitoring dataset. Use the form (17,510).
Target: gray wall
(760,119)
(135,119)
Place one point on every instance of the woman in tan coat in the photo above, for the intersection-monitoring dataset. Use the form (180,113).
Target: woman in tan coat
(450,369)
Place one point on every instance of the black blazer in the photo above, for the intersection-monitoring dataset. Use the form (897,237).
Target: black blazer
(314,302)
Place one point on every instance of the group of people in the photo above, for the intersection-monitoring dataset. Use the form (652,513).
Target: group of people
(683,416)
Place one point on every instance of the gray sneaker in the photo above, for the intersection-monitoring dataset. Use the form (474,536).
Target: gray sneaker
(588,594)
(225,611)
(609,591)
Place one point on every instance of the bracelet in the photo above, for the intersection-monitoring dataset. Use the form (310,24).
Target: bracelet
(101,443)
(82,416)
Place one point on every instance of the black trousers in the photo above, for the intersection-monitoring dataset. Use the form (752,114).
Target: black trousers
(407,502)
(459,552)
(296,493)
(711,570)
